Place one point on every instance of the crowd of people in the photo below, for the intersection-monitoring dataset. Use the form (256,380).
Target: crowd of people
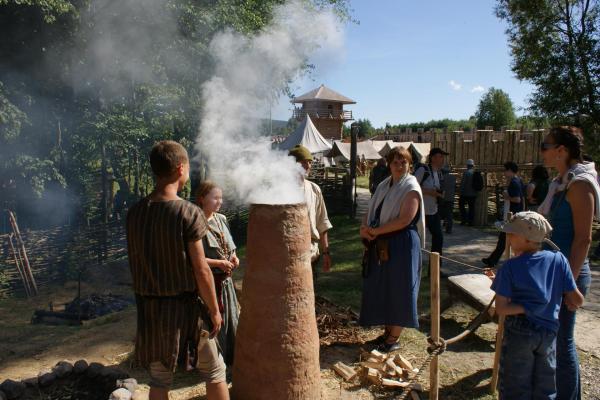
(548,225)
(182,256)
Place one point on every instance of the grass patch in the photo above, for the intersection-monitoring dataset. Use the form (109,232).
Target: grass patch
(362,181)
(343,285)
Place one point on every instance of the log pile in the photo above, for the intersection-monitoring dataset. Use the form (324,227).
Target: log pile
(384,371)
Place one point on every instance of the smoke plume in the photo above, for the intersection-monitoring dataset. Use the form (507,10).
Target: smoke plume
(249,74)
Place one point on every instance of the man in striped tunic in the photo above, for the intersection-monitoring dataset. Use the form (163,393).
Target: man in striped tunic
(170,275)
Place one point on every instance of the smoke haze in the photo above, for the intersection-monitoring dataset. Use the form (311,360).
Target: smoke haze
(249,74)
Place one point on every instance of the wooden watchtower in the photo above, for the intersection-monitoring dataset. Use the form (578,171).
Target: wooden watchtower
(326,109)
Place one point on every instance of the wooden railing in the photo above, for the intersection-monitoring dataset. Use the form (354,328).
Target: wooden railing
(323,113)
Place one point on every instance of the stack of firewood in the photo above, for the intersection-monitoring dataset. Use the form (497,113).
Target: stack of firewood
(384,371)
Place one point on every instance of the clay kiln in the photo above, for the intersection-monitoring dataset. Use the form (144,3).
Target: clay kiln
(277,344)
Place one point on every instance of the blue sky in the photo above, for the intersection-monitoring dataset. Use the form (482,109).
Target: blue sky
(410,61)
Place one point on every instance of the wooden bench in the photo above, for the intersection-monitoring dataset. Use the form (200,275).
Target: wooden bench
(473,289)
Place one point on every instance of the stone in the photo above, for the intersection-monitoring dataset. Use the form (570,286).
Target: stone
(94,369)
(12,389)
(120,394)
(80,366)
(129,384)
(31,382)
(63,368)
(46,378)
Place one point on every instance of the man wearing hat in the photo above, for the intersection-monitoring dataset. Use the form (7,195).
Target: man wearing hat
(530,288)
(467,195)
(317,212)
(430,178)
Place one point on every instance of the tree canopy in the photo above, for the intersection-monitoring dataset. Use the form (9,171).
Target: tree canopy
(86,88)
(555,45)
(495,109)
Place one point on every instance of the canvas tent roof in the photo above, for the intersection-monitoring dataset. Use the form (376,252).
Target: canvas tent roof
(323,93)
(342,150)
(308,136)
(421,149)
(388,146)
(379,144)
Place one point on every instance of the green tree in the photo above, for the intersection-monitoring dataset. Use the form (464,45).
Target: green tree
(69,109)
(495,109)
(365,128)
(555,45)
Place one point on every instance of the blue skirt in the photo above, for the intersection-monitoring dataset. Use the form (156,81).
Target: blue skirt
(391,289)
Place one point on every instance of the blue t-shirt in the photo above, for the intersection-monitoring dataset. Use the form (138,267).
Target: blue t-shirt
(515,189)
(537,281)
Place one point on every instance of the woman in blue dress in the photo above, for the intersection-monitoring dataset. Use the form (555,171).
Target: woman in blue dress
(393,231)
(571,205)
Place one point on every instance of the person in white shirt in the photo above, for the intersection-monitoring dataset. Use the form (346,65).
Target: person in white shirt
(430,178)
(317,212)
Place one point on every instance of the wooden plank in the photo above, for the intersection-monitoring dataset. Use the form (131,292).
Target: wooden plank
(476,287)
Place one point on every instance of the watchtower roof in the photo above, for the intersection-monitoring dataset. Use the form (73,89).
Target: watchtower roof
(323,93)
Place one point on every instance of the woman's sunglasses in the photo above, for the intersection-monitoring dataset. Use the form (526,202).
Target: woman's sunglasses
(547,146)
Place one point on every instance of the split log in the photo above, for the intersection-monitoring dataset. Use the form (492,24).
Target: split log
(345,371)
(403,362)
(373,376)
(391,383)
(374,365)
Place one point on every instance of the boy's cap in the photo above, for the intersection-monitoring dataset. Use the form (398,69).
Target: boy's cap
(437,150)
(470,162)
(300,153)
(533,226)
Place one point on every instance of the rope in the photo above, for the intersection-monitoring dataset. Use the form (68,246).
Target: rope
(434,350)
(458,262)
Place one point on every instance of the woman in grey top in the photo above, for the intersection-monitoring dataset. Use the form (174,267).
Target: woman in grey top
(220,254)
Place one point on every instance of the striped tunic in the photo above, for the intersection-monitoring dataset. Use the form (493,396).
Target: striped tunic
(168,307)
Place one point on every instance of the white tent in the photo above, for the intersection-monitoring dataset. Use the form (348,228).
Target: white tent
(388,146)
(308,136)
(341,151)
(380,144)
(422,151)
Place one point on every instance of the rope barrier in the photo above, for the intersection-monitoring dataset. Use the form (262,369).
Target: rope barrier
(458,262)
(434,349)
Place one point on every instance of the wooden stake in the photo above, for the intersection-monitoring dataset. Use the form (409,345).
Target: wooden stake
(23,254)
(434,262)
(18,265)
(500,331)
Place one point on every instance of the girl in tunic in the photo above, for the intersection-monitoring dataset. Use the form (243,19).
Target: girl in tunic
(393,232)
(220,255)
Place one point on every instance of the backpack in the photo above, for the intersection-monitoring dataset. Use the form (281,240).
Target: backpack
(477,183)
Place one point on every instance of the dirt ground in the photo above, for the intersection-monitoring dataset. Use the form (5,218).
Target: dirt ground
(26,349)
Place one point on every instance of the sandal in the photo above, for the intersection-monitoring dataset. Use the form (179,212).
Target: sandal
(381,338)
(387,346)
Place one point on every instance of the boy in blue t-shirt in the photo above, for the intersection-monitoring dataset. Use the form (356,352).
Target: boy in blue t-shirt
(529,290)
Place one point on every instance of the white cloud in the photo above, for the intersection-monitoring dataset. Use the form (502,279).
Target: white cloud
(477,89)
(455,85)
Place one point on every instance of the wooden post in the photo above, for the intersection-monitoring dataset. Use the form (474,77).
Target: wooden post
(500,331)
(434,273)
